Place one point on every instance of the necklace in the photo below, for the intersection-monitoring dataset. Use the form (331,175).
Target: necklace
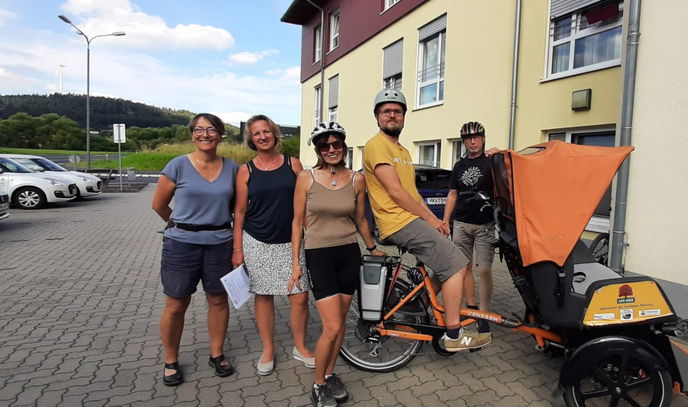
(333,171)
(270,165)
(210,166)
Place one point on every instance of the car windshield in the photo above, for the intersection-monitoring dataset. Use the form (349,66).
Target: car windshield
(433,179)
(13,166)
(47,164)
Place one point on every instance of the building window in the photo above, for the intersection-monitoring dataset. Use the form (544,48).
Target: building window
(393,61)
(350,158)
(458,150)
(318,98)
(390,3)
(317,43)
(602,138)
(334,29)
(333,98)
(429,153)
(431,50)
(585,39)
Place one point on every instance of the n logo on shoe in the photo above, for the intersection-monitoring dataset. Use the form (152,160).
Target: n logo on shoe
(466,340)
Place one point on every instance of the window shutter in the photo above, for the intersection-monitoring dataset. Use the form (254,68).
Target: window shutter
(432,28)
(559,8)
(393,59)
(333,99)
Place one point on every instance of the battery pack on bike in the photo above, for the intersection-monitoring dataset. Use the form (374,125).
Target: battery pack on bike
(373,286)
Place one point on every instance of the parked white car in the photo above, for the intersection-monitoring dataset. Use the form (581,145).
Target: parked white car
(31,190)
(4,199)
(87,185)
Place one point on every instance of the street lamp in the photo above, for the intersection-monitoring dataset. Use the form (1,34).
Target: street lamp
(88,80)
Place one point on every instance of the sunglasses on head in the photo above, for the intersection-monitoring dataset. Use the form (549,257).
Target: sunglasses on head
(325,147)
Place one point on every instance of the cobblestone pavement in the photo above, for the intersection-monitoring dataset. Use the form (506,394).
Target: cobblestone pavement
(81,301)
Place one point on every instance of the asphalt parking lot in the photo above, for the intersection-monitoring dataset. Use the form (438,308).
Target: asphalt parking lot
(81,299)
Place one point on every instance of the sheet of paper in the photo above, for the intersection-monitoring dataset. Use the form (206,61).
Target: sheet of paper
(236,285)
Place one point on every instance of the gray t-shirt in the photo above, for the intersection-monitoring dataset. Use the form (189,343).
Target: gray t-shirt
(200,202)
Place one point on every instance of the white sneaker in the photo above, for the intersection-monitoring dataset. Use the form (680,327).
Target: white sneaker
(266,368)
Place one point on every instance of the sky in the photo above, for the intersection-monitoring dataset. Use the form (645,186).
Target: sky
(232,58)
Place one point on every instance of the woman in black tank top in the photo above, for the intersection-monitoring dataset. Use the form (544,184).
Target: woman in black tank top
(262,237)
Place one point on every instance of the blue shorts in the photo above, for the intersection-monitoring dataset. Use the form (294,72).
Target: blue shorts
(183,265)
(333,270)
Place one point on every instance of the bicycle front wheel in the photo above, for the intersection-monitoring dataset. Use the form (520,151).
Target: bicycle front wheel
(365,349)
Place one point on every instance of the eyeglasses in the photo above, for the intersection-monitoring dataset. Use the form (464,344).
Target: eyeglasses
(391,112)
(325,147)
(212,131)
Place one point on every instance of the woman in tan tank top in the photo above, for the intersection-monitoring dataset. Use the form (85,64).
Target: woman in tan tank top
(329,203)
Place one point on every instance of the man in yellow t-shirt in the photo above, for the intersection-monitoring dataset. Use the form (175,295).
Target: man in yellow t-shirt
(404,219)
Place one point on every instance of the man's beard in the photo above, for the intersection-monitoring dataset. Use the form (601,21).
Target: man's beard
(392,132)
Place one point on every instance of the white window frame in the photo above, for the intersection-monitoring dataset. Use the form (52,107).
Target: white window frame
(392,82)
(598,224)
(317,45)
(334,29)
(332,113)
(437,153)
(439,79)
(577,35)
(350,158)
(458,150)
(390,3)
(317,118)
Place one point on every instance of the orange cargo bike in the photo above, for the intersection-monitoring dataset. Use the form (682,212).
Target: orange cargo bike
(617,334)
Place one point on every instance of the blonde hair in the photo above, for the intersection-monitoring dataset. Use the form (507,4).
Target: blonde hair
(274,128)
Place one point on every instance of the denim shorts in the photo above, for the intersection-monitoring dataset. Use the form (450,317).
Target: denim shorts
(183,265)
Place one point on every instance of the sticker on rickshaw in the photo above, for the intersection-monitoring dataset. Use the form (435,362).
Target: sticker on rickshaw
(626,302)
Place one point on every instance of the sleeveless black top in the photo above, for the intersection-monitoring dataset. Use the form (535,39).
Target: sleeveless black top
(270,203)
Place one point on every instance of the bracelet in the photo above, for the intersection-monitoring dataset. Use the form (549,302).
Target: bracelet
(370,249)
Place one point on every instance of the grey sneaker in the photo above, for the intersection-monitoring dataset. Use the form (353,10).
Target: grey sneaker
(337,388)
(466,341)
(321,396)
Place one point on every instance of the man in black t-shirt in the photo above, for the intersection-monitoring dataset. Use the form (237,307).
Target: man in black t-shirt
(473,227)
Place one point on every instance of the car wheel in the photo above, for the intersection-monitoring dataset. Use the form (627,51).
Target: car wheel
(29,198)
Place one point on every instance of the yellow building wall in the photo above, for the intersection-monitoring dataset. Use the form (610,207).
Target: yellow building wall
(545,105)
(477,79)
(656,220)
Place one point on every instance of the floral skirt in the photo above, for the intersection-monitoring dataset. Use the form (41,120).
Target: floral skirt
(269,267)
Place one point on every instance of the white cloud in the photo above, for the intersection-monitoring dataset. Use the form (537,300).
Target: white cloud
(144,30)
(246,58)
(6,15)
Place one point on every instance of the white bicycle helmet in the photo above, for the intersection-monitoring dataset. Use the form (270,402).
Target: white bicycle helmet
(389,96)
(323,129)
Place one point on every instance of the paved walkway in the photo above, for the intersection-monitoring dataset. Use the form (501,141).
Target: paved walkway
(81,300)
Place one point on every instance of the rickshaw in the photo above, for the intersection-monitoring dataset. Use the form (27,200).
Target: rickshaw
(617,334)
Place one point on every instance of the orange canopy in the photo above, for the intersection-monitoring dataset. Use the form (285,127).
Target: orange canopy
(556,189)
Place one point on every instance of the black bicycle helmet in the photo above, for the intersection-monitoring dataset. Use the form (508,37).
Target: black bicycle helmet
(472,129)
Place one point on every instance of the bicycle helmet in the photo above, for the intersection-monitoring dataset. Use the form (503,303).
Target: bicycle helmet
(323,129)
(389,96)
(471,129)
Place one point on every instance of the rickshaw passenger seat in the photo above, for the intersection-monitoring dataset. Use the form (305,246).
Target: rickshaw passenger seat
(585,274)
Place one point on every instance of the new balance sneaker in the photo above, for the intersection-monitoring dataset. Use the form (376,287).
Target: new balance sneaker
(466,341)
(321,396)
(337,388)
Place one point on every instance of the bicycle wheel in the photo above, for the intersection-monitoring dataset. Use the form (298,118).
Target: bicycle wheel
(365,349)
(600,248)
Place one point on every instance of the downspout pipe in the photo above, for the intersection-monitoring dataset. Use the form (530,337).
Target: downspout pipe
(322,58)
(619,226)
(514,74)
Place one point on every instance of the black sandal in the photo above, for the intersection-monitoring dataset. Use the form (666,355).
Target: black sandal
(220,370)
(174,379)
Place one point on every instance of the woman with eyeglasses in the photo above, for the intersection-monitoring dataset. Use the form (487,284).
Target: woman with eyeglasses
(329,208)
(197,242)
(262,238)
